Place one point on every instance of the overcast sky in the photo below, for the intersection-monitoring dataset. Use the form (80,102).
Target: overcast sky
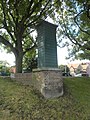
(62,53)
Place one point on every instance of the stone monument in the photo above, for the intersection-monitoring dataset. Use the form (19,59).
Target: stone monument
(47,45)
(48,77)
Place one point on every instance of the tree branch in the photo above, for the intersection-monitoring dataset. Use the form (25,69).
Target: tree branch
(17,2)
(28,49)
(12,16)
(87,8)
(30,11)
(27,12)
(8,44)
(72,39)
(75,20)
(44,10)
(28,33)
(35,21)
(88,11)
(5,23)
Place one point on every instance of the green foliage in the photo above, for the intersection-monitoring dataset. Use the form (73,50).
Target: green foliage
(4,69)
(18,18)
(64,68)
(74,20)
(30,61)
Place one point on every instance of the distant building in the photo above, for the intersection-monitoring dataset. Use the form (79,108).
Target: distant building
(13,69)
(73,68)
(83,68)
(88,70)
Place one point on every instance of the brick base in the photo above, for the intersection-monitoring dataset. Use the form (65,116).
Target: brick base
(24,78)
(48,81)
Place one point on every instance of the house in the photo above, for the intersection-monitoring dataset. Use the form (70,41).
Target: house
(13,69)
(88,70)
(81,68)
(84,69)
(73,68)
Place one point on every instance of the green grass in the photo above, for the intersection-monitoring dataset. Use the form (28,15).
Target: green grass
(19,102)
(80,90)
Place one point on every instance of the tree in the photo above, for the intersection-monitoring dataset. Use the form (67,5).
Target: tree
(18,19)
(74,19)
(4,63)
(65,70)
(30,61)
(4,68)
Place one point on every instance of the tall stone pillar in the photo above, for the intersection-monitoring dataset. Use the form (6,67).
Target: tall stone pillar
(48,76)
(47,45)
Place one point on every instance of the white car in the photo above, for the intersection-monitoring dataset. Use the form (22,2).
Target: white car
(78,75)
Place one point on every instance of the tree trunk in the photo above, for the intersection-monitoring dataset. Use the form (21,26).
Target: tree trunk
(19,59)
(19,55)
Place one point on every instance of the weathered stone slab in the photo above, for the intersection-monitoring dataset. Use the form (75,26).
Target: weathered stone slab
(24,78)
(49,82)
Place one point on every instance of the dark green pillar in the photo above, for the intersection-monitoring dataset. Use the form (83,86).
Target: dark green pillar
(47,45)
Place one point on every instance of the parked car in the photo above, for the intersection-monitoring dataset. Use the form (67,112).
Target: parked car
(78,75)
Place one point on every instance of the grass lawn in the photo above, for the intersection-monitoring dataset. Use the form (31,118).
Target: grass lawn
(19,102)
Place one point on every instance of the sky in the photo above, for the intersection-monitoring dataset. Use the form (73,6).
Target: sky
(7,57)
(61,54)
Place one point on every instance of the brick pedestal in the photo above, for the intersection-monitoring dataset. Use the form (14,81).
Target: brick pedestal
(49,82)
